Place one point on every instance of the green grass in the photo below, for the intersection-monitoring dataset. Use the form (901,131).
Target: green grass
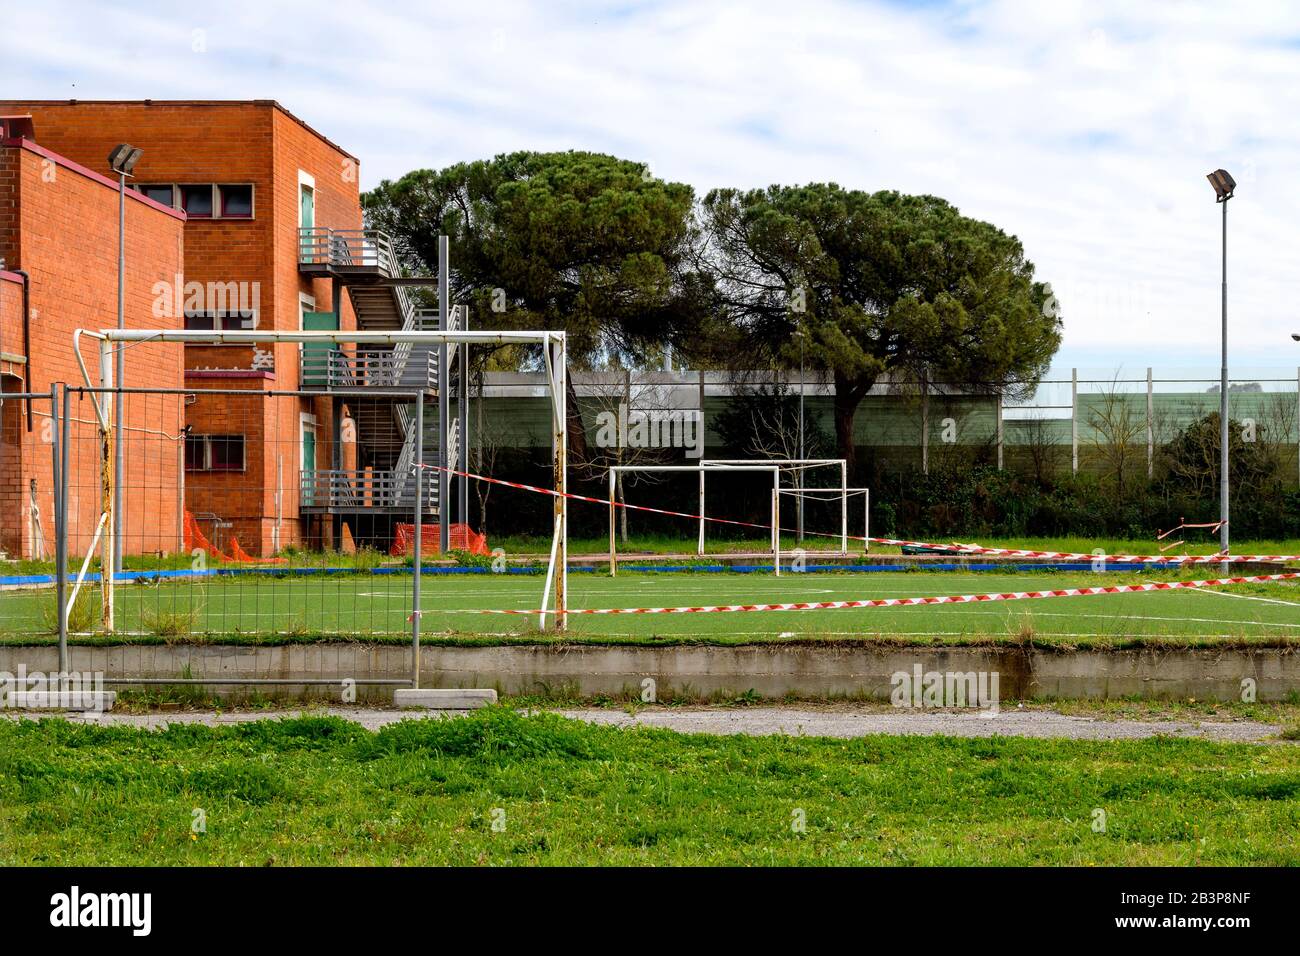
(376,608)
(321,791)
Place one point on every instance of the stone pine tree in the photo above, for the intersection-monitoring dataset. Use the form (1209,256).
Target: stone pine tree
(581,242)
(879,283)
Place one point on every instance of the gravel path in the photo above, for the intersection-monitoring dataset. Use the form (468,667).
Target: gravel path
(1011,723)
(794,721)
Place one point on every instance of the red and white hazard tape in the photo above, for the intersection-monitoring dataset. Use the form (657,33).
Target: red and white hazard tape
(955,549)
(911,601)
(1112,558)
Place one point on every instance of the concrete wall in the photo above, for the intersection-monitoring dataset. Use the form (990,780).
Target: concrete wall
(769,670)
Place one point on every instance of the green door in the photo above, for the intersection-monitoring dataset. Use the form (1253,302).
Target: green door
(308,464)
(316,355)
(306,219)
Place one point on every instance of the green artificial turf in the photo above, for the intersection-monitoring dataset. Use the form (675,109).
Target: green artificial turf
(377,607)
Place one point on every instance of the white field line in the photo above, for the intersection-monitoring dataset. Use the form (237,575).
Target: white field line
(1246,597)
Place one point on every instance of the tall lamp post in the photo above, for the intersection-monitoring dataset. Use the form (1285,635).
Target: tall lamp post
(1223,188)
(122,160)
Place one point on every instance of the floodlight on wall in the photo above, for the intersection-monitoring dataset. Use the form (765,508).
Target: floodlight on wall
(1223,184)
(124,157)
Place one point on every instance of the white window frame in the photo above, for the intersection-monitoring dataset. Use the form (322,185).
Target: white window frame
(306,420)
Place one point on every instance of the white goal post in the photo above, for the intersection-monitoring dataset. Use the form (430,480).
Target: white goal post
(555,353)
(705,466)
(822,493)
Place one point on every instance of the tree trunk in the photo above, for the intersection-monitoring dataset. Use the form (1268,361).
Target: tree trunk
(848,396)
(576,429)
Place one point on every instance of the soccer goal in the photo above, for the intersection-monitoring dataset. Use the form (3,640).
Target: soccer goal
(318,492)
(779,469)
(844,496)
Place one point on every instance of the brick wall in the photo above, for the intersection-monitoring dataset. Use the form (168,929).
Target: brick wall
(65,238)
(11,322)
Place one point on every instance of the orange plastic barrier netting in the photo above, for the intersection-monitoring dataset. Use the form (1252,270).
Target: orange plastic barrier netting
(195,538)
(461,538)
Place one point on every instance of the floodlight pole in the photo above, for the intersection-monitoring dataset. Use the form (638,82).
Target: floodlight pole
(1224,188)
(1223,393)
(121,324)
(122,161)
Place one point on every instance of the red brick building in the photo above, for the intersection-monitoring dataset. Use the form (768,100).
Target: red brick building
(271,240)
(58,246)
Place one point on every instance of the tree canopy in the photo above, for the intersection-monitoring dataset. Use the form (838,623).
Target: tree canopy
(864,285)
(876,283)
(581,242)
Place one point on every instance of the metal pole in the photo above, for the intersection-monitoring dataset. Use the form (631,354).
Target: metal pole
(866,521)
(107,484)
(844,505)
(1074,421)
(699,548)
(444,382)
(121,380)
(1223,398)
(462,413)
(776,529)
(925,425)
(1151,430)
(417,544)
(562,485)
(1000,435)
(613,569)
(802,452)
(60,529)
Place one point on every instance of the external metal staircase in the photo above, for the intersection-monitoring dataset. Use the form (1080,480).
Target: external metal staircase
(364,263)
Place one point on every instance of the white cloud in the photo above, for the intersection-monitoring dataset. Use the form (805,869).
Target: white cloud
(1084,128)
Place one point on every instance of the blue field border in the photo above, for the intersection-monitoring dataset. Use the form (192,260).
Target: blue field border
(153,577)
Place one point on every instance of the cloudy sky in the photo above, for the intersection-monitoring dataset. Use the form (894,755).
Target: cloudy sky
(1085,128)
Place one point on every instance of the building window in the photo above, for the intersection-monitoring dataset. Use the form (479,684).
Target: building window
(219,321)
(160,194)
(236,201)
(197,201)
(203,200)
(214,452)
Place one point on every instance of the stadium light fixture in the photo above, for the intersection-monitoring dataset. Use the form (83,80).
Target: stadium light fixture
(1223,184)
(1224,187)
(123,158)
